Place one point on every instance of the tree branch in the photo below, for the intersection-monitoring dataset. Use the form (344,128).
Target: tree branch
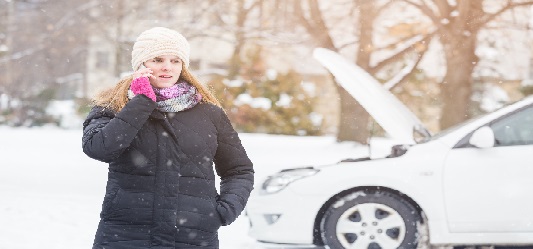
(489,17)
(18,55)
(383,7)
(319,28)
(347,44)
(252,6)
(315,14)
(444,7)
(426,11)
(301,17)
(400,54)
(397,81)
(395,43)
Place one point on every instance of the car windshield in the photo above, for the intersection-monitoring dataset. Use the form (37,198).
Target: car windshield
(457,126)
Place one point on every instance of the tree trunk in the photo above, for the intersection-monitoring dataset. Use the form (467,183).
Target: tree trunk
(456,88)
(353,121)
(241,17)
(118,39)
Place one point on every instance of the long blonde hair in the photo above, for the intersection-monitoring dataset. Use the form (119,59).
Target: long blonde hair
(116,97)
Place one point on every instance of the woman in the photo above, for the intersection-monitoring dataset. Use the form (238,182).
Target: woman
(160,130)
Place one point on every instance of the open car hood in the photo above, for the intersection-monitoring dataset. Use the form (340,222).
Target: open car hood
(389,112)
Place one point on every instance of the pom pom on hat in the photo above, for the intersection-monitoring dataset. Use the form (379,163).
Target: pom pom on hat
(159,41)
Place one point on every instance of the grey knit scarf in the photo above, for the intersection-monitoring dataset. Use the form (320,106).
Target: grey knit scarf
(179,97)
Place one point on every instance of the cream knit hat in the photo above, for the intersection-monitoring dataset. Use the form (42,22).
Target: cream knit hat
(159,41)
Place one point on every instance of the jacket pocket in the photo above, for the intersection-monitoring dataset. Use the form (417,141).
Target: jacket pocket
(200,218)
(215,214)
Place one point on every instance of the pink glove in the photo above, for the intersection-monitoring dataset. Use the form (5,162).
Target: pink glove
(142,85)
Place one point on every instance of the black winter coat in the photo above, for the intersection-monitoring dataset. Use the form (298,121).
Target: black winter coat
(161,186)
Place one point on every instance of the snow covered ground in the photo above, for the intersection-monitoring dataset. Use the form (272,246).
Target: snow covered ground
(51,193)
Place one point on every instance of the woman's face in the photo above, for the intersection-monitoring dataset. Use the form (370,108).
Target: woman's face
(166,70)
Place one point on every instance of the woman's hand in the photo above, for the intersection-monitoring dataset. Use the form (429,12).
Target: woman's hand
(141,83)
(143,72)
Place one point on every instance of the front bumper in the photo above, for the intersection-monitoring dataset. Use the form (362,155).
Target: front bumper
(283,218)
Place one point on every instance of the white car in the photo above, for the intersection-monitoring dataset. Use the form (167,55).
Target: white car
(469,185)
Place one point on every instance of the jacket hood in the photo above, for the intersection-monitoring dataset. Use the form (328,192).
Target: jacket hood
(389,112)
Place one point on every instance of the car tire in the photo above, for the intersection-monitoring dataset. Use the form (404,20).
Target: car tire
(370,219)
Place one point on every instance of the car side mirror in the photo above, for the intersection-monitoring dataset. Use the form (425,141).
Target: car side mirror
(482,137)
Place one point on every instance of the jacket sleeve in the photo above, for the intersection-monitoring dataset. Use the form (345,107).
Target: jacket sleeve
(235,170)
(106,134)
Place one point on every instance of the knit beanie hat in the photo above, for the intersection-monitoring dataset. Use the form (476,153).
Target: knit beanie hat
(159,41)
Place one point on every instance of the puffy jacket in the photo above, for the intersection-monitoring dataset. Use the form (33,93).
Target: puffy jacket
(161,185)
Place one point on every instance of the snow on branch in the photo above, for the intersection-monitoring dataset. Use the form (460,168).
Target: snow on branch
(74,13)
(402,50)
(510,4)
(426,10)
(402,74)
(18,55)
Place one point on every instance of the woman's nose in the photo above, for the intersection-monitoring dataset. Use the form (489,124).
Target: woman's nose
(166,66)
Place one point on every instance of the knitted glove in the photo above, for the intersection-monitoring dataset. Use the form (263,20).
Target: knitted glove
(142,85)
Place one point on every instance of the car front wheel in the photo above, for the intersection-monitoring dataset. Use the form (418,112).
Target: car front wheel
(370,219)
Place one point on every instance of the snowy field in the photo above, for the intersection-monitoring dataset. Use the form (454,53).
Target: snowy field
(51,193)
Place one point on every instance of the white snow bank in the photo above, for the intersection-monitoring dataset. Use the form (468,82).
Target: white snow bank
(52,193)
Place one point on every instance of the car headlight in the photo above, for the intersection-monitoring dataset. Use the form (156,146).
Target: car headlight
(279,181)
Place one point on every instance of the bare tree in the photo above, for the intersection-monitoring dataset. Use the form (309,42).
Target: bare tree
(44,54)
(353,125)
(458,24)
(47,42)
(234,17)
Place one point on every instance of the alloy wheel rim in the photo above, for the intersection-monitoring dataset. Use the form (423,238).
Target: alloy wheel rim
(372,226)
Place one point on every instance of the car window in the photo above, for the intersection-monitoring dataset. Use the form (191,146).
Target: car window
(515,129)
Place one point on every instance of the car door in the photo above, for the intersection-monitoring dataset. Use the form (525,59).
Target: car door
(491,189)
